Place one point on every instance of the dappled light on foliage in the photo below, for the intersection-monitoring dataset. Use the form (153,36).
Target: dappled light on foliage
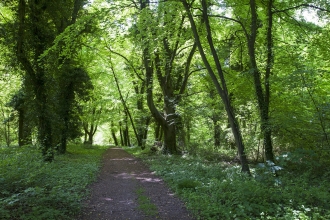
(228,101)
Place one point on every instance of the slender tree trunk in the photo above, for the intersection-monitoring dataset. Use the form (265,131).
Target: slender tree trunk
(113,134)
(141,122)
(216,131)
(220,86)
(145,135)
(263,97)
(21,128)
(215,117)
(121,134)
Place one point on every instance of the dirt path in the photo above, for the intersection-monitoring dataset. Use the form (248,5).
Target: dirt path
(126,189)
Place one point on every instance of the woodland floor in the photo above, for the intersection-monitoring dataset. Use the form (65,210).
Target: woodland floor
(114,194)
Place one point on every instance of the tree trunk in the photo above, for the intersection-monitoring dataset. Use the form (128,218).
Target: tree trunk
(142,121)
(21,128)
(158,132)
(221,89)
(37,75)
(169,128)
(113,134)
(263,97)
(24,130)
(127,114)
(181,133)
(45,124)
(90,131)
(216,132)
(121,134)
(169,145)
(64,133)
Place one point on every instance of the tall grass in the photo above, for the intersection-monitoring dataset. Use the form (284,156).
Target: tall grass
(33,189)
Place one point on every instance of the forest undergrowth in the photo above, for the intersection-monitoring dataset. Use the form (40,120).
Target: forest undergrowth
(33,189)
(297,187)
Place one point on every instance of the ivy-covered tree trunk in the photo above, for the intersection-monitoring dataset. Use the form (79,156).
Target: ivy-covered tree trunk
(37,29)
(35,72)
(44,119)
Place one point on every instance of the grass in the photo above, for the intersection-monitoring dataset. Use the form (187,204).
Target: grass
(145,205)
(212,189)
(33,189)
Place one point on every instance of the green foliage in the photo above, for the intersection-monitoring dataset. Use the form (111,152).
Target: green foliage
(32,189)
(187,184)
(214,190)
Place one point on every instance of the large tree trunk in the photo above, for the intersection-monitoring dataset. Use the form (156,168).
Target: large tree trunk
(45,123)
(169,128)
(36,74)
(169,145)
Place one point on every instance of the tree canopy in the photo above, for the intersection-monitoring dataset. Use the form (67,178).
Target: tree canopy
(180,74)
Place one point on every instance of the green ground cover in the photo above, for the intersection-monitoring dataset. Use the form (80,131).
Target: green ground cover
(299,189)
(33,189)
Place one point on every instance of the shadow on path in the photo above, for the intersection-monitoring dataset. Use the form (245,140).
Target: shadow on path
(113,195)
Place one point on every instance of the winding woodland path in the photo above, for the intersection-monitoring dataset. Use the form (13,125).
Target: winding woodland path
(114,195)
